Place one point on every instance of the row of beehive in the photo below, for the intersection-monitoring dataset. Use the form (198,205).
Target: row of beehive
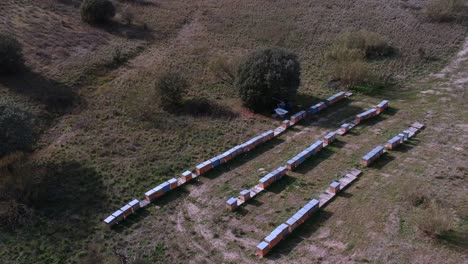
(122,213)
(295,221)
(378,151)
(216,161)
(270,178)
(233,152)
(329,101)
(372,112)
(301,157)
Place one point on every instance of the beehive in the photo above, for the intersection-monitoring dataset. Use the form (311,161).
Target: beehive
(372,156)
(392,143)
(135,205)
(381,106)
(334,187)
(329,138)
(173,183)
(244,195)
(263,248)
(231,204)
(187,176)
(285,123)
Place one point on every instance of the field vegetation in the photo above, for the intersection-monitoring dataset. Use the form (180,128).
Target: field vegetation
(85,129)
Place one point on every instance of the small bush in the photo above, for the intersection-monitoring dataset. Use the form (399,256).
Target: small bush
(224,69)
(354,45)
(11,54)
(127,15)
(266,76)
(435,220)
(97,11)
(445,10)
(170,89)
(14,214)
(16,133)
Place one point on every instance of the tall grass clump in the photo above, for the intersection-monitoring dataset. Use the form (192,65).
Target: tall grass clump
(360,44)
(350,55)
(11,54)
(445,10)
(434,220)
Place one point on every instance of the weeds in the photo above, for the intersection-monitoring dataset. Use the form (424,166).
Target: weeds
(445,10)
(435,219)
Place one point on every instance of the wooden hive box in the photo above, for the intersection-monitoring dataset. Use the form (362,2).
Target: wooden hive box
(329,138)
(187,176)
(381,106)
(273,238)
(173,183)
(110,221)
(244,195)
(135,205)
(231,204)
(118,215)
(345,127)
(293,223)
(285,123)
(126,210)
(263,248)
(334,187)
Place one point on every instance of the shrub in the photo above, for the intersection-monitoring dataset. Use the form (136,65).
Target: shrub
(223,69)
(360,44)
(444,10)
(435,220)
(97,11)
(16,133)
(11,54)
(127,15)
(170,88)
(268,75)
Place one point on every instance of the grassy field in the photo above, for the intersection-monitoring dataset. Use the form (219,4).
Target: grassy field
(115,142)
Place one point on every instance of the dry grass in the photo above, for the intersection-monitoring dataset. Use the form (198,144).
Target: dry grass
(107,154)
(434,220)
(445,10)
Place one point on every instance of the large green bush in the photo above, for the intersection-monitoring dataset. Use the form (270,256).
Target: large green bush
(97,11)
(266,76)
(11,55)
(16,133)
(170,88)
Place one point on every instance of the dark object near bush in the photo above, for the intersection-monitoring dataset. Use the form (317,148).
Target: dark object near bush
(170,88)
(97,11)
(16,133)
(11,55)
(266,76)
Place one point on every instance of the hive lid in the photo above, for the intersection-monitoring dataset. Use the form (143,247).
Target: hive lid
(171,181)
(244,192)
(291,221)
(262,245)
(150,192)
(186,173)
(231,201)
(134,202)
(125,208)
(109,219)
(335,184)
(117,213)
